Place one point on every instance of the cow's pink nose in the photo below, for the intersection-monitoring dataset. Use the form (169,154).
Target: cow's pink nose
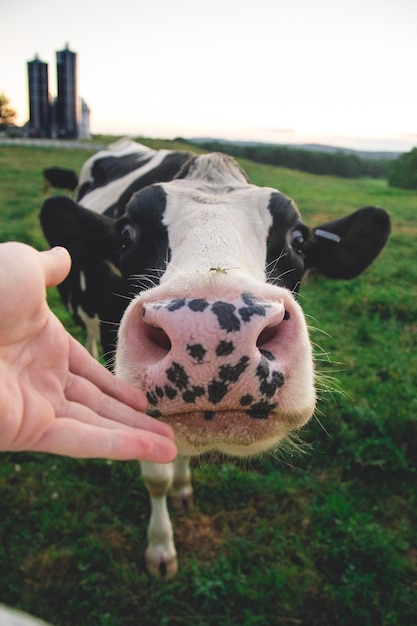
(216,355)
(203,327)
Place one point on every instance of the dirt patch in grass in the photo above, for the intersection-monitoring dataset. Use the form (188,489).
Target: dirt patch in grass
(199,535)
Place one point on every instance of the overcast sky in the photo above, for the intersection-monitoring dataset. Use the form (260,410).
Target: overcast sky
(285,71)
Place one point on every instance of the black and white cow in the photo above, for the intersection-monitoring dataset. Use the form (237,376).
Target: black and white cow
(95,292)
(209,266)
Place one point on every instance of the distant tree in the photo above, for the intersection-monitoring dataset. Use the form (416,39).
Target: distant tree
(7,114)
(404,171)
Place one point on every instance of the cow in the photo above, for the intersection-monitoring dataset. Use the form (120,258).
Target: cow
(205,268)
(59,178)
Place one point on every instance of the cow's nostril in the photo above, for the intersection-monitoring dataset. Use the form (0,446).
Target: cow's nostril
(158,337)
(267,335)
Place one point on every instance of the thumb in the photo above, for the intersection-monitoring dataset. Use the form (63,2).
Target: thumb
(56,265)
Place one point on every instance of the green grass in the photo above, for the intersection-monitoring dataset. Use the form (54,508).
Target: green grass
(323,536)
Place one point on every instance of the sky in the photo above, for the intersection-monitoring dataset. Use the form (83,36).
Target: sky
(286,71)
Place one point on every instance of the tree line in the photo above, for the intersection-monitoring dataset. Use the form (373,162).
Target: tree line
(344,164)
(404,171)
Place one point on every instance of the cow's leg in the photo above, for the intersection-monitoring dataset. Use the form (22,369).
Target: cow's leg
(181,492)
(92,325)
(161,556)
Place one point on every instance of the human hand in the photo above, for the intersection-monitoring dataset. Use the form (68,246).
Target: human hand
(54,397)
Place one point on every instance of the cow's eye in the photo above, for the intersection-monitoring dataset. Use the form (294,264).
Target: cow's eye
(297,239)
(128,234)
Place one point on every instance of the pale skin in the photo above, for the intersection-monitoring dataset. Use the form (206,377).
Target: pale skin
(54,397)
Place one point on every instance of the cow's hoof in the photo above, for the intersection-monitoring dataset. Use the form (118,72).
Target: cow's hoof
(182,499)
(161,565)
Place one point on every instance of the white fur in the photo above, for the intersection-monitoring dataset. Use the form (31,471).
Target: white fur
(106,195)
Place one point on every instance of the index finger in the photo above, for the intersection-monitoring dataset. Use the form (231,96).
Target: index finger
(76,439)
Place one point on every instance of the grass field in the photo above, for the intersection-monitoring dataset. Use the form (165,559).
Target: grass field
(322,536)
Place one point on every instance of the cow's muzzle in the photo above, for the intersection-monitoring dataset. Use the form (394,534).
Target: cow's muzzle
(218,370)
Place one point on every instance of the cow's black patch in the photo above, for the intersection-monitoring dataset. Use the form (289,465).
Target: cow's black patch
(262,371)
(208,415)
(269,387)
(159,392)
(170,392)
(178,376)
(216,389)
(249,299)
(270,381)
(152,398)
(232,373)
(261,410)
(111,168)
(154,413)
(196,351)
(224,348)
(246,400)
(174,305)
(225,313)
(191,394)
(268,355)
(228,374)
(163,172)
(253,307)
(198,305)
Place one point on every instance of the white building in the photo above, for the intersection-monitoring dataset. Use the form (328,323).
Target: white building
(84,126)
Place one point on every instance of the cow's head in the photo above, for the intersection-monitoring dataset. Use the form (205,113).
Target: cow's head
(219,343)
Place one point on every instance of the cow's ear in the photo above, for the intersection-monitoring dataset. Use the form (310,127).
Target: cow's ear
(345,247)
(87,236)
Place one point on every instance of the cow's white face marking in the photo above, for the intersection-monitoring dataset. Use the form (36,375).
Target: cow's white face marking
(232,233)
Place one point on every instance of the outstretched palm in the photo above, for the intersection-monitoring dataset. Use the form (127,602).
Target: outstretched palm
(54,397)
